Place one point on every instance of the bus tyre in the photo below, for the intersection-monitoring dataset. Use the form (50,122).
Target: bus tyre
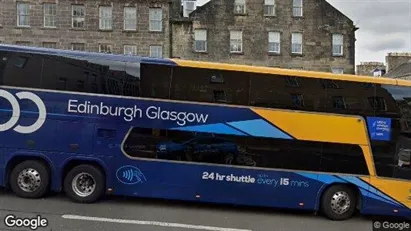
(30,179)
(84,184)
(339,202)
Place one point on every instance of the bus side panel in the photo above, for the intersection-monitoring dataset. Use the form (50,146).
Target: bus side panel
(217,184)
(2,164)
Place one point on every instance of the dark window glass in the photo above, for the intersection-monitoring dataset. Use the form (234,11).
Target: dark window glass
(327,83)
(21,69)
(220,97)
(378,103)
(206,85)
(343,158)
(348,97)
(338,102)
(298,100)
(155,81)
(70,73)
(291,81)
(245,151)
(391,154)
(287,92)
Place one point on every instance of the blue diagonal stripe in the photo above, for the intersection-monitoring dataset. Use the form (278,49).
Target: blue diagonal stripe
(259,128)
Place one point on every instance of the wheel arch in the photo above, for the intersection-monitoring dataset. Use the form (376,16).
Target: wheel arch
(14,160)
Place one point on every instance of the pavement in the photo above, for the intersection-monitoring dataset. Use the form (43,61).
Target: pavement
(131,214)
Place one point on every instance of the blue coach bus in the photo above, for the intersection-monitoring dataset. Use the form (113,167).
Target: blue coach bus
(90,124)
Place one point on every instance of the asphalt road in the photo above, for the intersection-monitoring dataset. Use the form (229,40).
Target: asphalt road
(130,214)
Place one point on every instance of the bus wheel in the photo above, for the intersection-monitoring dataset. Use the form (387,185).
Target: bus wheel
(84,184)
(339,202)
(30,179)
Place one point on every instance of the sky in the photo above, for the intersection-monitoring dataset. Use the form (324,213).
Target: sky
(384,26)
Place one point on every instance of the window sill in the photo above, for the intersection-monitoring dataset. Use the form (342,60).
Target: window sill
(297,54)
(236,53)
(201,52)
(130,31)
(23,27)
(239,14)
(270,16)
(49,28)
(297,17)
(105,30)
(78,29)
(274,53)
(337,56)
(155,31)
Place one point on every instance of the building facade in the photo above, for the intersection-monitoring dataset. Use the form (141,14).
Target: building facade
(369,68)
(395,59)
(135,27)
(298,34)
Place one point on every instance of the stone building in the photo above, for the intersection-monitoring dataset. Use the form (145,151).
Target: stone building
(298,34)
(369,68)
(395,59)
(138,27)
(399,64)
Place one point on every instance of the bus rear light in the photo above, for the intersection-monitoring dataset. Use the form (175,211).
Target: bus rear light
(395,211)
(109,190)
(198,196)
(301,204)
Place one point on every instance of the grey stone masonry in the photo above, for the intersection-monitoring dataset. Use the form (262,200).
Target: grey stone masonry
(52,26)
(318,23)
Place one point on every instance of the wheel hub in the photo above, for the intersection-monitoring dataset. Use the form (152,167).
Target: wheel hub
(83,184)
(340,202)
(29,180)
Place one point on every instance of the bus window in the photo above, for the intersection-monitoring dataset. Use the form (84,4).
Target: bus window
(287,92)
(343,158)
(155,81)
(348,97)
(132,79)
(247,151)
(391,150)
(3,63)
(213,86)
(21,69)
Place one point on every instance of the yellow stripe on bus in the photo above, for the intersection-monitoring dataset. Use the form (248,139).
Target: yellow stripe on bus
(318,127)
(280,71)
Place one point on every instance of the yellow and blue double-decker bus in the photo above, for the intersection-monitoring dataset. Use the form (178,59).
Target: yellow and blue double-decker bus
(91,124)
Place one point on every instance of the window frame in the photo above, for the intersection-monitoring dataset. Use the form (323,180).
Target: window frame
(234,41)
(156,46)
(275,42)
(242,4)
(153,19)
(26,14)
(200,38)
(301,37)
(105,18)
(134,49)
(298,5)
(127,20)
(337,42)
(46,15)
(270,9)
(74,17)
